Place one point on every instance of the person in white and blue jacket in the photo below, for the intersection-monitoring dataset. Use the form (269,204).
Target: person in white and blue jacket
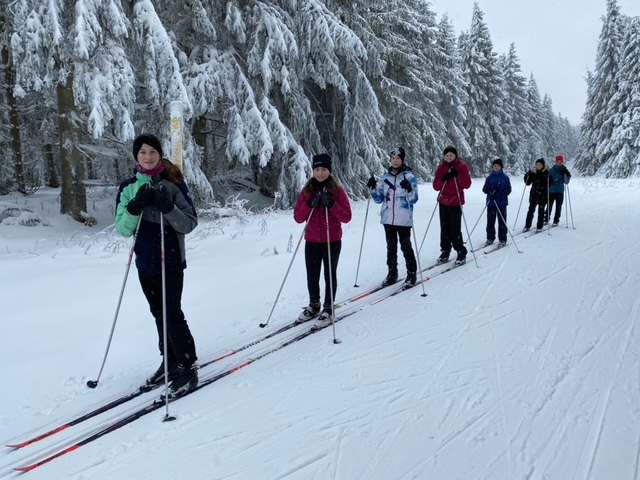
(497,186)
(397,191)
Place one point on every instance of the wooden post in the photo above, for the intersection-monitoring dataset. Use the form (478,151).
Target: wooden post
(176,133)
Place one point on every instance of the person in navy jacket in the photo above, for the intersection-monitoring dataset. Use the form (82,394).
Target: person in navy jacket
(497,187)
(397,192)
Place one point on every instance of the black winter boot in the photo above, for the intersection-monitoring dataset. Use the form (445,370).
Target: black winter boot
(392,277)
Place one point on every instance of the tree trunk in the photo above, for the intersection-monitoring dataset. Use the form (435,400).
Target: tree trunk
(73,196)
(50,162)
(14,120)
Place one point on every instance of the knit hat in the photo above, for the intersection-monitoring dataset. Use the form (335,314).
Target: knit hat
(451,149)
(559,158)
(497,161)
(540,160)
(150,140)
(399,151)
(322,160)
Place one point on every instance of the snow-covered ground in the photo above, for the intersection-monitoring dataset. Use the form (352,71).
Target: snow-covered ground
(517,366)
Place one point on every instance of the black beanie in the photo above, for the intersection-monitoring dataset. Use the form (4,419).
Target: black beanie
(322,160)
(497,161)
(150,140)
(540,160)
(451,149)
(399,151)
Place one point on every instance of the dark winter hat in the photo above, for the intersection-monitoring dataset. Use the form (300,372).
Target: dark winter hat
(399,151)
(559,158)
(322,160)
(150,140)
(451,149)
(498,161)
(540,160)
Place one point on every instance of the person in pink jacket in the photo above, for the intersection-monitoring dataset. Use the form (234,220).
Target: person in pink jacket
(320,196)
(452,178)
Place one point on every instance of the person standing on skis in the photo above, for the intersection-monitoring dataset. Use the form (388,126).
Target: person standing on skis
(158,190)
(451,179)
(325,204)
(397,191)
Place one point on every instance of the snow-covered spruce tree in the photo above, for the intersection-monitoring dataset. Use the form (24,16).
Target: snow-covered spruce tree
(549,128)
(405,32)
(452,95)
(484,82)
(597,124)
(535,144)
(333,66)
(161,82)
(518,111)
(287,126)
(623,148)
(72,51)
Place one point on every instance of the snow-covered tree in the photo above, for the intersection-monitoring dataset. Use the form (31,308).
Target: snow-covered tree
(452,96)
(485,107)
(622,149)
(72,51)
(518,112)
(597,125)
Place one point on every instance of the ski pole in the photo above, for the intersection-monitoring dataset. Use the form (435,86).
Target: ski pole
(415,241)
(430,219)
(167,417)
(464,219)
(366,215)
(570,209)
(504,221)
(519,206)
(94,383)
(478,221)
(548,207)
(262,325)
(330,268)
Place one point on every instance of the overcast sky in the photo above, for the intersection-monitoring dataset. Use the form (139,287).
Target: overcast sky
(556,40)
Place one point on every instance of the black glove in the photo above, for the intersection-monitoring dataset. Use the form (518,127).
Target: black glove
(453,172)
(163,200)
(326,200)
(143,198)
(406,184)
(314,202)
(527,176)
(372,183)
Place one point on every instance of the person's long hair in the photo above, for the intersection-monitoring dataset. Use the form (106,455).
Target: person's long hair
(173,173)
(311,187)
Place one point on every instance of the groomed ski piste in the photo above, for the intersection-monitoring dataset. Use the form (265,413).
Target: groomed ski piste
(514,366)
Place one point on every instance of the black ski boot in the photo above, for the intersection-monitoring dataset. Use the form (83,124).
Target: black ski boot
(185,379)
(410,281)
(392,277)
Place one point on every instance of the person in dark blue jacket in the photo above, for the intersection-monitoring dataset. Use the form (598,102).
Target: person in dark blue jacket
(497,187)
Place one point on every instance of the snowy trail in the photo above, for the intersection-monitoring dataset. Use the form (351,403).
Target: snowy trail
(524,367)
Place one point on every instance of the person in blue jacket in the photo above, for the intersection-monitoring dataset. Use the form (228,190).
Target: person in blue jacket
(397,191)
(158,190)
(560,176)
(497,187)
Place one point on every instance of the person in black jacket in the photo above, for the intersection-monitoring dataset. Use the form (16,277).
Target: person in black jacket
(539,179)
